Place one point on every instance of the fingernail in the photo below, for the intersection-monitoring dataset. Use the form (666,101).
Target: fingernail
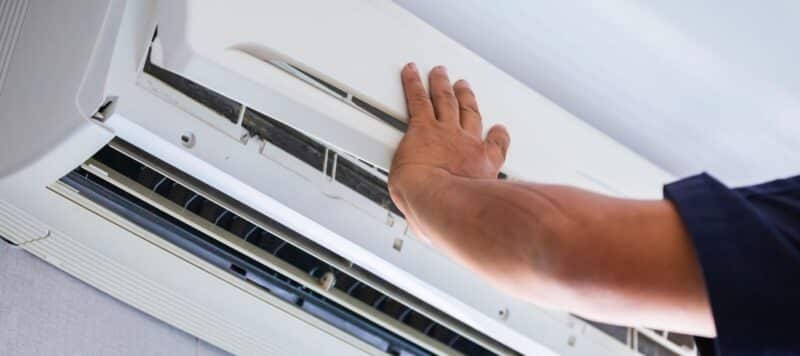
(443,69)
(412,66)
(464,83)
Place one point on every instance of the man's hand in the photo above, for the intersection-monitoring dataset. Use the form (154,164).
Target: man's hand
(443,137)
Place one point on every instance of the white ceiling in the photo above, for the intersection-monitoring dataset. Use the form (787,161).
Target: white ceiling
(693,86)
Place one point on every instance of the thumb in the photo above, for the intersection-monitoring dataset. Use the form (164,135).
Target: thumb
(497,142)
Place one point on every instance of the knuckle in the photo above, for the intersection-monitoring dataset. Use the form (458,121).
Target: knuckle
(419,98)
(471,109)
(443,96)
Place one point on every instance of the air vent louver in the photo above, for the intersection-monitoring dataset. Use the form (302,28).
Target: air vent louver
(245,267)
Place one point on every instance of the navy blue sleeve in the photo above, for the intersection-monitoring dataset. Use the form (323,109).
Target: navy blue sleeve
(747,241)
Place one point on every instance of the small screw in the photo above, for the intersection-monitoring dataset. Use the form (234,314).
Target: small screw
(571,340)
(503,313)
(187,139)
(327,281)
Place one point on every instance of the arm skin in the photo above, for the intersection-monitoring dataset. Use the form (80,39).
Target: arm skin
(613,260)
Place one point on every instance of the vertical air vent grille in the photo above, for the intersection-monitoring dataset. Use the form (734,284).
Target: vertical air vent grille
(340,93)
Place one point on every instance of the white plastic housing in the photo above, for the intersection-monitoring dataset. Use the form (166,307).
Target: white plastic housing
(361,48)
(357,45)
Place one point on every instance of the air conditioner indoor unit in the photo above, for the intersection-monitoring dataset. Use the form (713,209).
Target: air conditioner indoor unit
(221,165)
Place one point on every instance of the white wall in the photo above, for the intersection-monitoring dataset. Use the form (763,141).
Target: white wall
(691,85)
(44,311)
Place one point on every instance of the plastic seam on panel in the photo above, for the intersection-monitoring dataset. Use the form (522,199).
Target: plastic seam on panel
(17,226)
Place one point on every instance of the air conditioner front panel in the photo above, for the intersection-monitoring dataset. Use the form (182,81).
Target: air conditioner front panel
(257,67)
(361,48)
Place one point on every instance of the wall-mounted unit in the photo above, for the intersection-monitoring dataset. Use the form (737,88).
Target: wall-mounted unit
(221,165)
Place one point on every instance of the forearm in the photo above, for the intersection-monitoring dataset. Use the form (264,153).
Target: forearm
(499,229)
(556,245)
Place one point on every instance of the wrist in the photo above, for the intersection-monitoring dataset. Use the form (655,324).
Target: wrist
(411,186)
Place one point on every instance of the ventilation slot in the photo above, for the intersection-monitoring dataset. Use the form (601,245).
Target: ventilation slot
(284,137)
(369,186)
(279,284)
(648,346)
(650,342)
(222,105)
(312,153)
(339,93)
(618,332)
(378,113)
(325,84)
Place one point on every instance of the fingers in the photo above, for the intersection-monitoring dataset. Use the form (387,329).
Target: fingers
(497,142)
(468,109)
(444,100)
(417,100)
